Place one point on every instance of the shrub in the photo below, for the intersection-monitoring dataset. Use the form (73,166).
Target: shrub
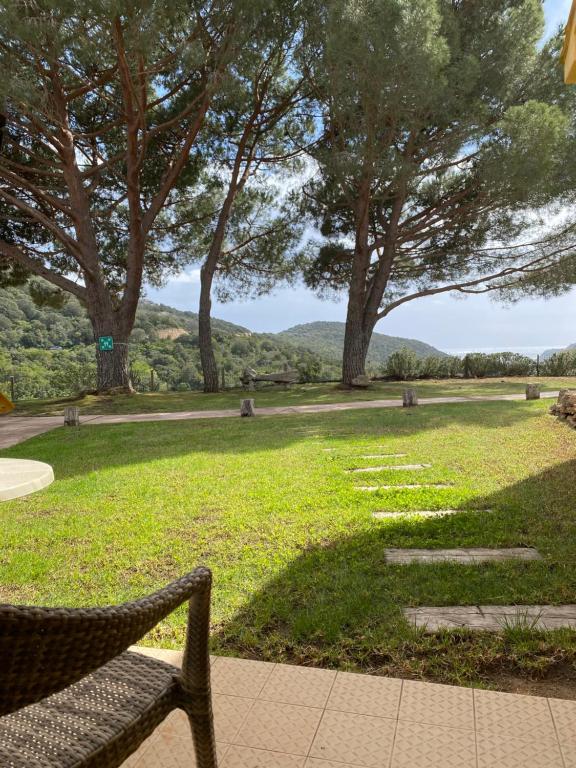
(560,364)
(403,365)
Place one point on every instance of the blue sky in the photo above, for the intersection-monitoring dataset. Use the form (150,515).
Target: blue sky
(449,323)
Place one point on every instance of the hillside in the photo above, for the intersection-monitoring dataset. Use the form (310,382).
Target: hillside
(328,339)
(549,352)
(50,351)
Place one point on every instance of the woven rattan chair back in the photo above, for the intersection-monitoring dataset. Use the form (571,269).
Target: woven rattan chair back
(43,650)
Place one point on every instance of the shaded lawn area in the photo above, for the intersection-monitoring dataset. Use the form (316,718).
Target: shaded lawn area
(302,394)
(298,559)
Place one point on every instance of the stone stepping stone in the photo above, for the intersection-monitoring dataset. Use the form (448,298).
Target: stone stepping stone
(464,556)
(385,467)
(492,618)
(384,456)
(401,487)
(424,513)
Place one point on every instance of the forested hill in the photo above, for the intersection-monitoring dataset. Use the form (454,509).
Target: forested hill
(549,352)
(328,339)
(50,351)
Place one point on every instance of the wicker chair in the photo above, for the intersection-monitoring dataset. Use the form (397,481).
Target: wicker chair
(72,695)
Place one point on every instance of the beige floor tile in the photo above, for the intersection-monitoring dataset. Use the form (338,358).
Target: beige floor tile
(304,686)
(564,714)
(134,758)
(433,746)
(365,695)
(499,751)
(433,704)
(167,751)
(357,739)
(163,654)
(279,727)
(246,757)
(316,762)
(514,716)
(229,714)
(569,755)
(240,677)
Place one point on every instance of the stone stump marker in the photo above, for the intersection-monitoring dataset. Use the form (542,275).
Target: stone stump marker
(71,416)
(532,391)
(247,408)
(409,398)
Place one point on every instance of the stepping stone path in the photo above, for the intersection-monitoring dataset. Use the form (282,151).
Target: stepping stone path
(382,468)
(424,513)
(384,456)
(392,487)
(464,556)
(492,618)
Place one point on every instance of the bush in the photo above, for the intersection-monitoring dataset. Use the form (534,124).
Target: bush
(478,365)
(437,367)
(403,365)
(560,364)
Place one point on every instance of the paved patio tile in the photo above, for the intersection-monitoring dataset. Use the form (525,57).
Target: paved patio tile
(432,704)
(299,685)
(433,746)
(365,721)
(514,716)
(165,750)
(279,727)
(464,555)
(564,716)
(569,755)
(494,752)
(357,739)
(365,695)
(240,677)
(246,757)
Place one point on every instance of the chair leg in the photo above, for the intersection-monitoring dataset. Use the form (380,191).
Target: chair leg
(202,726)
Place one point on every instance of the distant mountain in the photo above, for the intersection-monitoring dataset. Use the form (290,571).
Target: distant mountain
(327,339)
(50,351)
(549,352)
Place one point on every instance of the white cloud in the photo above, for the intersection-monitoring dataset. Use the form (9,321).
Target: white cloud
(189,276)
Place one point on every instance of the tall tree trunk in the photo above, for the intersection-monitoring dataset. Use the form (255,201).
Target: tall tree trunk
(207,357)
(112,366)
(357,335)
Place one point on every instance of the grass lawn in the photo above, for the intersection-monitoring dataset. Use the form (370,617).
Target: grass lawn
(297,556)
(296,395)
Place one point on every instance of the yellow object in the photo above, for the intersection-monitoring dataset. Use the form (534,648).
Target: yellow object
(569,50)
(5,405)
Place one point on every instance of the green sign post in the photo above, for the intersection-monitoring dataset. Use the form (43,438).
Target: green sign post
(105,343)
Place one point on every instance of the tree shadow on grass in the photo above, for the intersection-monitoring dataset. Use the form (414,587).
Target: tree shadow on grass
(76,452)
(338,604)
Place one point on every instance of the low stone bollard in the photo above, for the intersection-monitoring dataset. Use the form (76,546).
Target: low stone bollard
(532,391)
(247,408)
(71,416)
(409,398)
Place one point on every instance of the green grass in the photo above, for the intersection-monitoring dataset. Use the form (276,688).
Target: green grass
(298,559)
(271,395)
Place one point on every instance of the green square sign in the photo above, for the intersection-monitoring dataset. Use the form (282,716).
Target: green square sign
(105,343)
